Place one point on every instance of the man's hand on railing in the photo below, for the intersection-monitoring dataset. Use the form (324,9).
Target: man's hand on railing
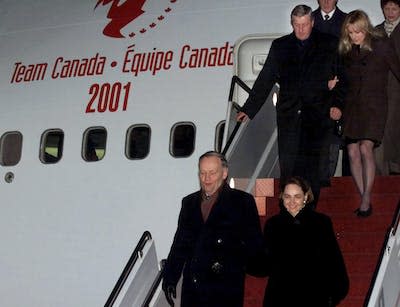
(170,292)
(242,117)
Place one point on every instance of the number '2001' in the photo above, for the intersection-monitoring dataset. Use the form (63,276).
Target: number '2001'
(107,97)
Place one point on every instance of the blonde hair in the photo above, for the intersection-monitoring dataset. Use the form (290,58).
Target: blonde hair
(360,20)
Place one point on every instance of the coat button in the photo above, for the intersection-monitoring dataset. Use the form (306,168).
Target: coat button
(194,280)
(217,267)
(219,241)
(298,111)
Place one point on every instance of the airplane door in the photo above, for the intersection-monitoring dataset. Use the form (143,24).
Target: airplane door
(253,151)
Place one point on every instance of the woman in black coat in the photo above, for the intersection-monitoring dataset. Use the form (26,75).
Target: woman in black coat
(302,257)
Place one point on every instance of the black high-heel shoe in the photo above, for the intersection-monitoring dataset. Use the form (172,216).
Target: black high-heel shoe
(363,213)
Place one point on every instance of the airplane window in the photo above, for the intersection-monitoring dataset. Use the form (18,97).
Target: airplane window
(182,140)
(10,148)
(51,146)
(138,142)
(219,136)
(94,144)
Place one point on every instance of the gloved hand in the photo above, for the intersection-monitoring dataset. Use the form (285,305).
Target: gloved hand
(170,292)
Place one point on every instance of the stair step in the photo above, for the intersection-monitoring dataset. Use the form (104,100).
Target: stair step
(349,222)
(356,242)
(352,302)
(345,185)
(254,290)
(382,202)
(361,263)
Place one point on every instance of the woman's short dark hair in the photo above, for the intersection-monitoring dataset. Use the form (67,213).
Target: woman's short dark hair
(303,184)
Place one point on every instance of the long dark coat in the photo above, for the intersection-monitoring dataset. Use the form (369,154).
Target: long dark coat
(231,237)
(304,100)
(392,128)
(332,26)
(304,262)
(366,103)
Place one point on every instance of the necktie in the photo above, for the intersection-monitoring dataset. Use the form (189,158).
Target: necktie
(326,17)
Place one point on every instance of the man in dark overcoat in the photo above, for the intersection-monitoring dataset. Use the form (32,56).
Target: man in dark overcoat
(304,64)
(328,18)
(217,238)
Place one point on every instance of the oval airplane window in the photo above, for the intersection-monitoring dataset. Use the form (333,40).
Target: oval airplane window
(51,146)
(94,144)
(10,148)
(182,140)
(137,142)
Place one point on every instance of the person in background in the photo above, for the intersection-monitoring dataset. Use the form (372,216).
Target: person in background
(302,257)
(367,60)
(217,238)
(388,154)
(303,63)
(328,18)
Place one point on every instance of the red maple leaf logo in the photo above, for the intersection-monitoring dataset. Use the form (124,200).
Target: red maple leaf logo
(121,15)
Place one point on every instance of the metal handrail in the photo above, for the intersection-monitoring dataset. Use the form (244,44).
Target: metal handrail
(390,232)
(128,268)
(396,220)
(235,80)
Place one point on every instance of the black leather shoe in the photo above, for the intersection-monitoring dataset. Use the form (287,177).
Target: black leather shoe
(363,213)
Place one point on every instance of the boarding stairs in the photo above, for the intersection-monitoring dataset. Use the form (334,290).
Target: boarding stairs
(251,150)
(370,246)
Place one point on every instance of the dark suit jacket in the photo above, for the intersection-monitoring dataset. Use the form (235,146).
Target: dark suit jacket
(231,237)
(331,26)
(304,98)
(303,261)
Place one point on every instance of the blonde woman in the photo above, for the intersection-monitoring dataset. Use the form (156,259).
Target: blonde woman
(368,57)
